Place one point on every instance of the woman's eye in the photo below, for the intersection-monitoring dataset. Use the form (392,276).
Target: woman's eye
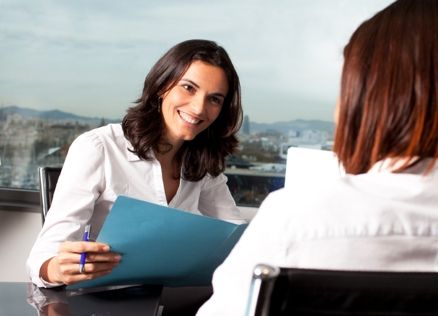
(188,87)
(216,100)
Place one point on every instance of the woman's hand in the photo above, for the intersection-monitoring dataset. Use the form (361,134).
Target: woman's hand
(64,268)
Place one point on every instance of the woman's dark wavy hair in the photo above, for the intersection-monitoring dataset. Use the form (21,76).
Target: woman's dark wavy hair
(389,90)
(143,124)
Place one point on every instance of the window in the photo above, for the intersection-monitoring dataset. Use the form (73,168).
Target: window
(69,66)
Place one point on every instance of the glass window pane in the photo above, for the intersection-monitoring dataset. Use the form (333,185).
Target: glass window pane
(70,66)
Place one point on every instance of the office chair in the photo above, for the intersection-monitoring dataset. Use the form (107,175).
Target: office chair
(48,177)
(304,292)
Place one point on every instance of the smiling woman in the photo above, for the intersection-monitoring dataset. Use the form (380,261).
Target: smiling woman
(169,150)
(195,78)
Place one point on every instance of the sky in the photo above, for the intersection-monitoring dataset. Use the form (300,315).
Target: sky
(90,57)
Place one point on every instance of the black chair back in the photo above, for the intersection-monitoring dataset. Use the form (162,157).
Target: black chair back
(305,292)
(48,177)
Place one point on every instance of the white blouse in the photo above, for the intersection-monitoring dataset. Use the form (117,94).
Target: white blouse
(98,168)
(374,221)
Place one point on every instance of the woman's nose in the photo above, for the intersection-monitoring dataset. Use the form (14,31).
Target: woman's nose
(198,104)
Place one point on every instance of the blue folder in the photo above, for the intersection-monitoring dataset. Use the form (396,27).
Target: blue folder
(162,245)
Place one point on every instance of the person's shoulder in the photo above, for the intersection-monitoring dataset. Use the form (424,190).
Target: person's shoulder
(109,131)
(277,200)
(99,136)
(305,202)
(277,195)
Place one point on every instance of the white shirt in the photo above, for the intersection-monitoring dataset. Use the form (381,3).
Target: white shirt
(97,169)
(374,221)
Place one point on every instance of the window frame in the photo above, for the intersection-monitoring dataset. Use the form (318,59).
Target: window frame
(22,200)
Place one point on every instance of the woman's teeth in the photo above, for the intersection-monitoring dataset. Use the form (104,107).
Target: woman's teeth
(189,119)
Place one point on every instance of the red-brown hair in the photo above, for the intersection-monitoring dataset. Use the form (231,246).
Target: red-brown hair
(388,101)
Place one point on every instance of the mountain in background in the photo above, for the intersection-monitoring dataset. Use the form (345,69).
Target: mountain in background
(57,115)
(296,125)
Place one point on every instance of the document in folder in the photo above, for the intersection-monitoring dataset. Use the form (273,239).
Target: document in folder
(162,245)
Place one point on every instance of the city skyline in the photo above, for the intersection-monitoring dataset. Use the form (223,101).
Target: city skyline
(90,58)
(60,115)
(30,138)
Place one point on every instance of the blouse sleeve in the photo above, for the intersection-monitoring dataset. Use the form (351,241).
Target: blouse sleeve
(216,200)
(79,185)
(262,242)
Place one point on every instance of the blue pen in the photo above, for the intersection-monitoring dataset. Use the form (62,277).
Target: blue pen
(84,254)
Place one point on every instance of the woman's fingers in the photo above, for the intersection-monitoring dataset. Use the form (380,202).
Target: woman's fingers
(83,246)
(70,273)
(70,252)
(89,268)
(70,257)
(99,261)
(93,268)
(74,278)
(107,257)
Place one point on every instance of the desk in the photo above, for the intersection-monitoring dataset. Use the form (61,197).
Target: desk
(25,299)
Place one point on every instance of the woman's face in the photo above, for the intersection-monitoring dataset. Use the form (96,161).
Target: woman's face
(194,102)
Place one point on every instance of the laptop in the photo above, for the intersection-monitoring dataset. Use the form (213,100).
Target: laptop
(311,165)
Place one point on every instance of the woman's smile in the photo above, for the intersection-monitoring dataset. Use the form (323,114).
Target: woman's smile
(188,118)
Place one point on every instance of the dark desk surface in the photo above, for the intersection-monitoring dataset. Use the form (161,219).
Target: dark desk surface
(25,299)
